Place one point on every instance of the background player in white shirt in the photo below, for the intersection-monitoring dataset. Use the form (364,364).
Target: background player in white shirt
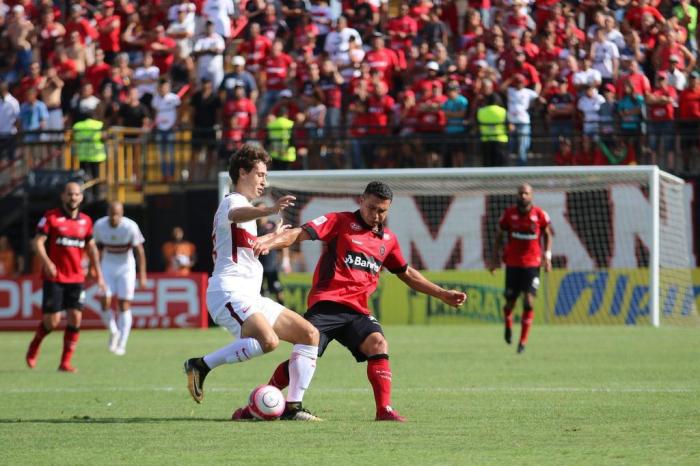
(233,294)
(116,236)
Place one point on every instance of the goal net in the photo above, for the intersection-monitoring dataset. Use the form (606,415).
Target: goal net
(622,236)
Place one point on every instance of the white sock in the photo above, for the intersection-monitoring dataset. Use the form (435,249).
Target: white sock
(110,323)
(124,326)
(240,350)
(302,365)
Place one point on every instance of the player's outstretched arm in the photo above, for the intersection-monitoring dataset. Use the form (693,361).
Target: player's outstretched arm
(418,282)
(279,240)
(247,213)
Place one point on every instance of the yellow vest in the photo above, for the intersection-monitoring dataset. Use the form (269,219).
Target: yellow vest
(492,123)
(87,141)
(279,133)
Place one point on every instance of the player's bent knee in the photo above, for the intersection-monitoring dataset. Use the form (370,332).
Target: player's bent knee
(375,344)
(269,343)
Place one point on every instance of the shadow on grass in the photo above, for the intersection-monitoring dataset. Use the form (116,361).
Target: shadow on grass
(110,420)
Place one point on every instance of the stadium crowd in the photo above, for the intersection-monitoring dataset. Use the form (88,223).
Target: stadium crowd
(609,81)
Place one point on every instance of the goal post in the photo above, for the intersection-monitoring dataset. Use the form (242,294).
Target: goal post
(622,247)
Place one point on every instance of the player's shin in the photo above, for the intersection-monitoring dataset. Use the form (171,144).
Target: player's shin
(33,350)
(124,325)
(302,365)
(379,375)
(280,378)
(528,317)
(70,341)
(240,350)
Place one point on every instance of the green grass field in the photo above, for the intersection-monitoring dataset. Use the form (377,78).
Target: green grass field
(579,395)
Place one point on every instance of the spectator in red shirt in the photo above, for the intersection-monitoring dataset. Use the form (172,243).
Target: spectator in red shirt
(33,80)
(163,49)
(661,102)
(78,22)
(278,69)
(50,34)
(402,30)
(255,50)
(689,115)
(382,59)
(630,73)
(242,110)
(99,71)
(636,12)
(109,29)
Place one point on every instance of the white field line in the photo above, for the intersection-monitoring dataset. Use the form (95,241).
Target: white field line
(641,390)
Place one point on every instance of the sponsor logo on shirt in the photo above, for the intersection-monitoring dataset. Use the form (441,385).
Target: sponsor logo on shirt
(356,242)
(525,236)
(359,261)
(69,242)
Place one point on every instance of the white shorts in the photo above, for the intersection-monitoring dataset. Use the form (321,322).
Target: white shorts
(229,309)
(120,282)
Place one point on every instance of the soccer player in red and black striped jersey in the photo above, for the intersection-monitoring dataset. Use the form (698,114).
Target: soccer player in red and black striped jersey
(358,246)
(526,226)
(62,234)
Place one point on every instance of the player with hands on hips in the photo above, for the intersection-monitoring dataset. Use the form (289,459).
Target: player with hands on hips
(524,226)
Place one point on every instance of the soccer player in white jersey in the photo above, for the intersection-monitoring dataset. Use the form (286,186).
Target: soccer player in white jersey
(233,295)
(116,236)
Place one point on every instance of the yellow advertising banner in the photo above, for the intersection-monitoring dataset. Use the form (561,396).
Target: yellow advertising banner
(618,296)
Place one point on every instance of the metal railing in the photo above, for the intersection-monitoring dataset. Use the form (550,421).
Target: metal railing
(139,158)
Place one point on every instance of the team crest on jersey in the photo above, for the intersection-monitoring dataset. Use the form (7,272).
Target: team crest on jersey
(319,220)
(355,226)
(382,250)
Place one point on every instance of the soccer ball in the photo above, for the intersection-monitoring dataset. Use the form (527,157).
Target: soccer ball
(266,403)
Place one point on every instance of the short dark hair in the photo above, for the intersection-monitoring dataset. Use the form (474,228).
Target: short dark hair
(246,157)
(379,189)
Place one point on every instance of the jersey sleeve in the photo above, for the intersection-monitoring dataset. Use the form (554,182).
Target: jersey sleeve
(90,231)
(235,201)
(503,221)
(545,221)
(43,226)
(394,262)
(322,228)
(137,236)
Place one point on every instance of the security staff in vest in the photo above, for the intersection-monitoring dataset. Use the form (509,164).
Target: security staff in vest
(491,119)
(88,145)
(280,140)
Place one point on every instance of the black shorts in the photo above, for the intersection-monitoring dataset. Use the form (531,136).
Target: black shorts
(59,297)
(521,280)
(271,281)
(335,321)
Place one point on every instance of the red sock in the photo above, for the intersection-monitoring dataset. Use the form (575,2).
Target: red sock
(379,375)
(508,317)
(528,317)
(70,341)
(39,335)
(280,378)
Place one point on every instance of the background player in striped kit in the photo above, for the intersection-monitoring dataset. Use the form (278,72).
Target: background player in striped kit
(116,236)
